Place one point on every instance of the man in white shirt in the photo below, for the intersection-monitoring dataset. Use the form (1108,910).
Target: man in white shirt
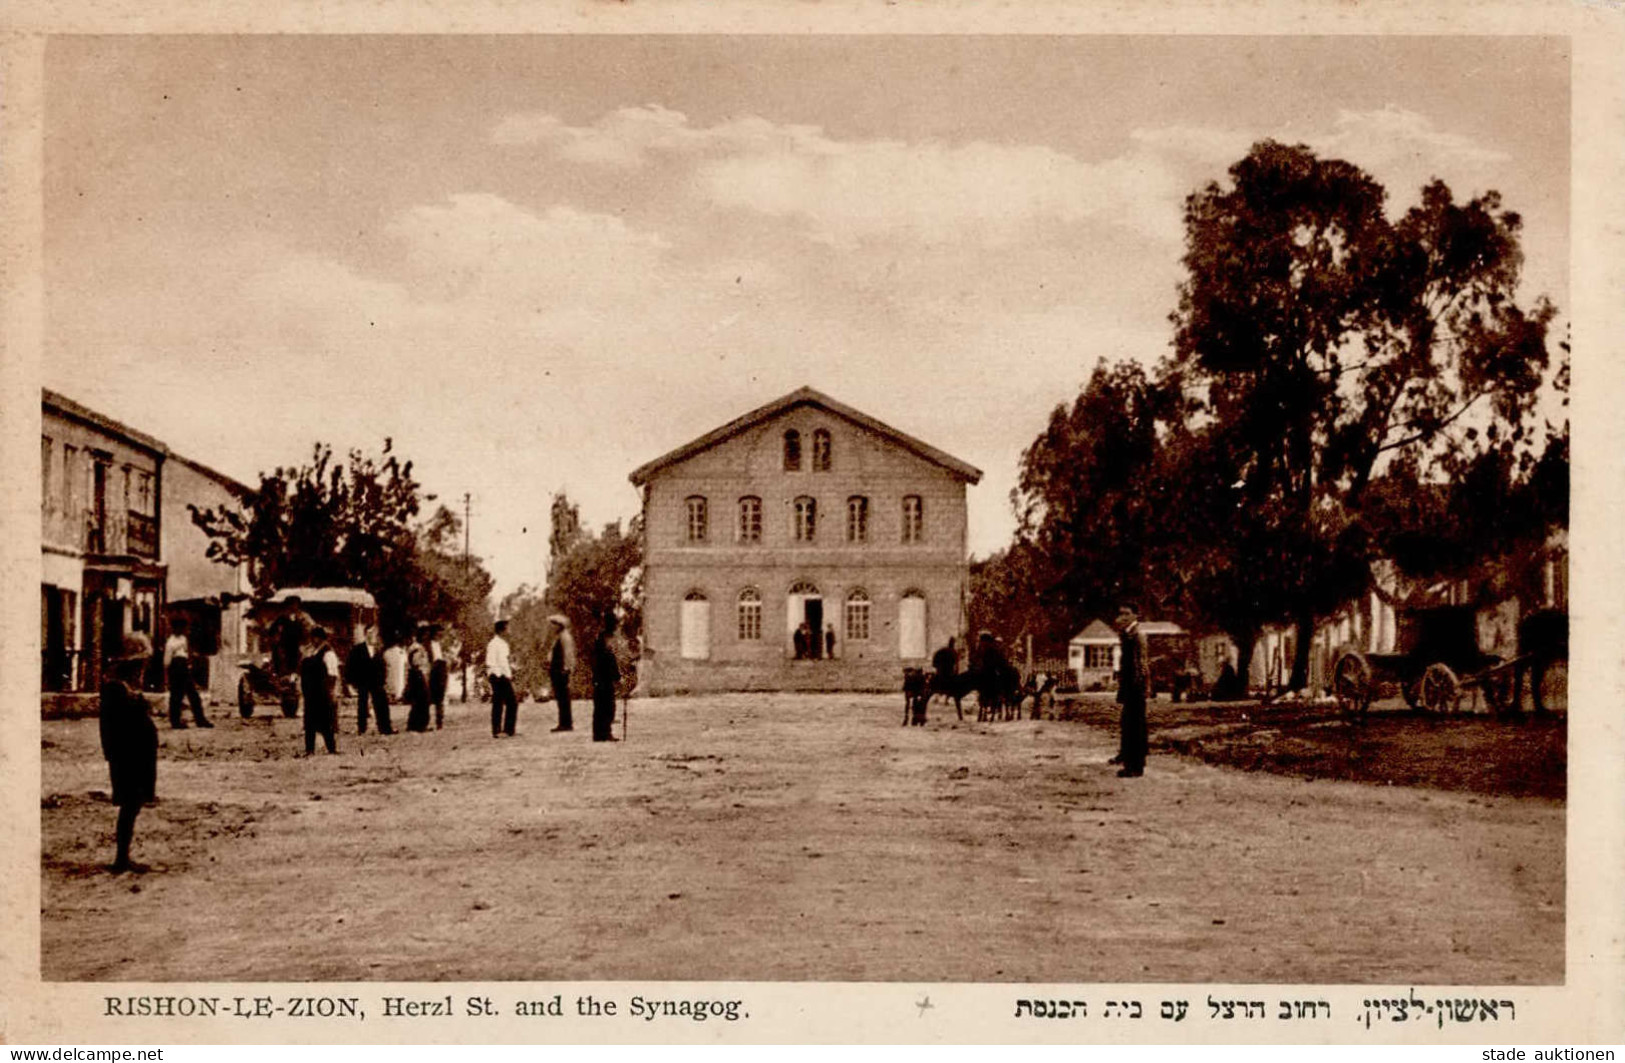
(178,671)
(499,671)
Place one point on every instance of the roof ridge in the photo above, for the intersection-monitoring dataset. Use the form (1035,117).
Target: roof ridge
(806,394)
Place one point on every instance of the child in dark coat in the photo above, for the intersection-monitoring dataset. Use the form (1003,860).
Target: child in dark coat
(130,744)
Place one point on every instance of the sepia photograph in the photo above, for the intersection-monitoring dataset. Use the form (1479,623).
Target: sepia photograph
(1051,509)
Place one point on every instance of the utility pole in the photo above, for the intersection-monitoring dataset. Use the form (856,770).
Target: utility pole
(468,647)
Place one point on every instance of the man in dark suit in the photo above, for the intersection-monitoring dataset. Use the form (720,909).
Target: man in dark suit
(1134,682)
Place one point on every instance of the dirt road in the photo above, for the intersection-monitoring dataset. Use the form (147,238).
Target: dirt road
(780,837)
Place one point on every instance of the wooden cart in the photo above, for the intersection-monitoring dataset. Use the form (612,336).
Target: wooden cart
(1439,658)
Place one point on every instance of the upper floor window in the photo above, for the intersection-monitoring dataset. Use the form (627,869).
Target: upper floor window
(913,519)
(750,615)
(806,519)
(821,448)
(857,519)
(750,519)
(143,494)
(792,451)
(698,519)
(70,494)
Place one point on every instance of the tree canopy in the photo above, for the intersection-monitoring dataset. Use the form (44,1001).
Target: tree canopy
(354,523)
(1343,384)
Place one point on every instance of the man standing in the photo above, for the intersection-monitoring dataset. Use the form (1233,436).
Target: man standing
(178,670)
(318,678)
(561,662)
(829,641)
(499,671)
(438,673)
(130,744)
(606,678)
(364,672)
(1134,680)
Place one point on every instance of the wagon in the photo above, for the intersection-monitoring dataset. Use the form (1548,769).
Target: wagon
(1440,656)
(281,632)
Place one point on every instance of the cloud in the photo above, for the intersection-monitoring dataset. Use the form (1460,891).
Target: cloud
(848,191)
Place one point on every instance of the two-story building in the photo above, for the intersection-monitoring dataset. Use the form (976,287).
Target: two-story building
(120,554)
(806,516)
(101,577)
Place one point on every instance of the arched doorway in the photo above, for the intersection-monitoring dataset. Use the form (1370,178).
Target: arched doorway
(695,627)
(911,626)
(805,605)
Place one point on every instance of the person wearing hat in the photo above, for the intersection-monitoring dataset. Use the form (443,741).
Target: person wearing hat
(499,673)
(318,678)
(561,662)
(1133,684)
(129,742)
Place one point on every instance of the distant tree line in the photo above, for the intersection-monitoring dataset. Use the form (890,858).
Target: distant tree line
(1342,387)
(588,577)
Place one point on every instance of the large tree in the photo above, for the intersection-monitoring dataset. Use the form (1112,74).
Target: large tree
(1087,504)
(354,523)
(1323,340)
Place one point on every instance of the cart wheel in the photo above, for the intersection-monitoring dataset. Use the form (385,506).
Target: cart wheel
(1499,685)
(245,697)
(1351,683)
(1439,689)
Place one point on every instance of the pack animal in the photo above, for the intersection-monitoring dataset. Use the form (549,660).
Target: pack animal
(916,696)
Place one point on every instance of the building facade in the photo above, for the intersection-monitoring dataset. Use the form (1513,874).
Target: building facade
(211,596)
(100,521)
(121,556)
(803,546)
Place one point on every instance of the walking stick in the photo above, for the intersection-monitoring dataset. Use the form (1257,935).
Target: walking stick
(626,714)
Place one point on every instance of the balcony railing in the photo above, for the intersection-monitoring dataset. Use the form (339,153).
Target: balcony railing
(142,532)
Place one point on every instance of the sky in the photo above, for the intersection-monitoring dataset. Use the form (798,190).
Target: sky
(536,263)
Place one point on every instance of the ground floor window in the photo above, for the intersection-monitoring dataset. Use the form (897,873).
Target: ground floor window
(750,615)
(1097,656)
(857,616)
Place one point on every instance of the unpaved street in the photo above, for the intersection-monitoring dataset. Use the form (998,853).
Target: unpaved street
(780,837)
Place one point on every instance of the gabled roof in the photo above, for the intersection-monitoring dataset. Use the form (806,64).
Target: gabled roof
(65,406)
(807,396)
(1097,631)
(1100,631)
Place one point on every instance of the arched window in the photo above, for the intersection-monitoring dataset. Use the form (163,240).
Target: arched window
(792,451)
(821,448)
(750,519)
(750,615)
(911,625)
(695,628)
(913,519)
(699,519)
(857,616)
(857,519)
(806,519)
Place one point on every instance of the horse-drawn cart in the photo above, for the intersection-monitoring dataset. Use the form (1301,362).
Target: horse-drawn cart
(1442,653)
